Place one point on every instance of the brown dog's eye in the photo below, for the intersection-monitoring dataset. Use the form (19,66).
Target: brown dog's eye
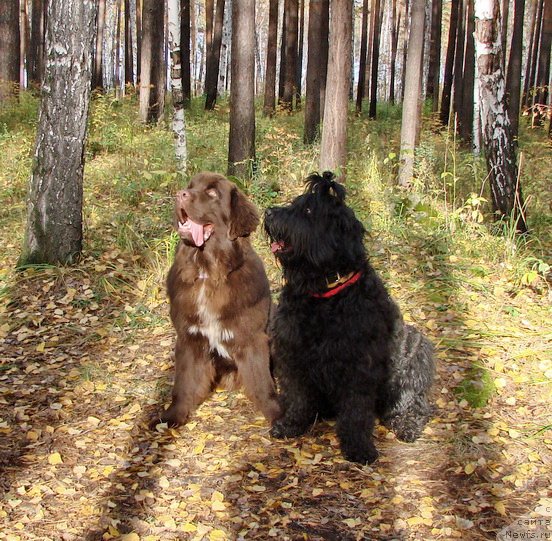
(211,192)
(308,210)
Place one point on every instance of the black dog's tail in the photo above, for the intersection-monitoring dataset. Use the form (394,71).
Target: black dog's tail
(325,184)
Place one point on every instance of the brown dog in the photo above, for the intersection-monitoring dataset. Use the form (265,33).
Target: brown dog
(220,300)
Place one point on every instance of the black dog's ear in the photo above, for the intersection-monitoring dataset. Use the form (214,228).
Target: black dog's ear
(325,184)
(244,217)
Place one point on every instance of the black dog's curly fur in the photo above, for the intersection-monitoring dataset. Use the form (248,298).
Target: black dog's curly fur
(350,355)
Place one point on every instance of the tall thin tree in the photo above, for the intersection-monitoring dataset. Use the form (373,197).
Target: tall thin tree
(333,148)
(466,111)
(411,112)
(36,45)
(241,148)
(185,52)
(271,54)
(9,48)
(291,13)
(543,66)
(54,213)
(376,18)
(213,58)
(434,70)
(449,62)
(362,61)
(316,68)
(300,49)
(513,76)
(497,138)
(129,56)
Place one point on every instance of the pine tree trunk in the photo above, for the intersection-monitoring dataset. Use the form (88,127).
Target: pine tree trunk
(185,52)
(179,122)
(315,71)
(458,75)
(533,62)
(411,117)
(282,74)
(299,67)
(375,59)
(532,43)
(395,26)
(465,113)
(24,42)
(333,148)
(36,46)
(97,77)
(324,51)
(213,61)
(362,61)
(449,63)
(271,53)
(291,13)
(54,213)
(129,63)
(241,149)
(513,76)
(497,139)
(139,4)
(434,71)
(117,49)
(543,65)
(9,49)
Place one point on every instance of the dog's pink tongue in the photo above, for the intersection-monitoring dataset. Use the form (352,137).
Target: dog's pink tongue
(197,233)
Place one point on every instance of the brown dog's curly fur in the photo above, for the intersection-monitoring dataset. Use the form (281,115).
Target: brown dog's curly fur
(220,300)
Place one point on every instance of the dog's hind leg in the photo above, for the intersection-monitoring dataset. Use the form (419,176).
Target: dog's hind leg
(254,374)
(355,425)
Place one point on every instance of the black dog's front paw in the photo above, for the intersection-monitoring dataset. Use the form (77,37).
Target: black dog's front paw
(282,429)
(363,455)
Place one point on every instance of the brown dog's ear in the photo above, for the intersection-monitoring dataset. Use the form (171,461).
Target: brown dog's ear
(244,217)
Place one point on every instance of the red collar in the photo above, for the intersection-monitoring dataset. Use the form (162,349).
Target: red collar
(338,285)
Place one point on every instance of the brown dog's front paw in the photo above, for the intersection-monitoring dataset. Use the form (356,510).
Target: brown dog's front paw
(172,417)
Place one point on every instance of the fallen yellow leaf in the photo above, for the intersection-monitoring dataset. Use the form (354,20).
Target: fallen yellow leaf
(54,459)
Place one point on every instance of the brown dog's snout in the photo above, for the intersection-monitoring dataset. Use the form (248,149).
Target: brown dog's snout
(183,194)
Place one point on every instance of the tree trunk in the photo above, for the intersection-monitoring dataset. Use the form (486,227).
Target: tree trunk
(291,13)
(411,117)
(395,26)
(225,48)
(213,59)
(532,79)
(179,122)
(138,40)
(185,52)
(504,14)
(405,45)
(9,48)
(324,51)
(36,46)
(465,113)
(152,61)
(458,76)
(241,148)
(54,213)
(449,62)
(129,61)
(315,70)
(24,42)
(209,24)
(513,76)
(299,67)
(271,53)
(434,71)
(375,59)
(117,50)
(362,62)
(282,76)
(97,77)
(333,148)
(532,43)
(497,140)
(543,66)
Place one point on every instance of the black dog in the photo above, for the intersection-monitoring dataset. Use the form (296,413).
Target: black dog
(339,345)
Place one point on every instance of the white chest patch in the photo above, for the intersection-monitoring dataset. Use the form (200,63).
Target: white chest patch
(210,327)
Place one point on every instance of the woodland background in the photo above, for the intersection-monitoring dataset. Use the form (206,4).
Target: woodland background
(85,340)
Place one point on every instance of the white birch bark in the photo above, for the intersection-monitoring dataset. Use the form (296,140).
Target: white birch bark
(225,48)
(179,122)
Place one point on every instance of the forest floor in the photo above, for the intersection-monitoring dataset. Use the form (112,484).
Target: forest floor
(85,363)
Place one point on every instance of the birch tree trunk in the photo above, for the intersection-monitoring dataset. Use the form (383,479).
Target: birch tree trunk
(497,138)
(178,122)
(411,118)
(333,148)
(54,212)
